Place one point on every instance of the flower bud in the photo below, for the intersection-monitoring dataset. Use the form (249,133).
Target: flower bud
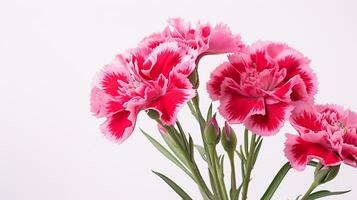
(153,114)
(229,139)
(212,131)
(332,173)
(325,174)
(194,79)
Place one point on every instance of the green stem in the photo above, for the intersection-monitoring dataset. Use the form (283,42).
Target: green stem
(233,175)
(214,170)
(249,168)
(320,175)
(199,180)
(180,140)
(222,185)
(201,119)
(311,188)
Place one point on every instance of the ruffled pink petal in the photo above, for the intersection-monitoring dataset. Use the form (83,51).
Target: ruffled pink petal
(119,126)
(306,121)
(152,41)
(223,41)
(297,64)
(165,58)
(178,81)
(349,154)
(292,90)
(217,76)
(236,108)
(299,152)
(177,28)
(270,78)
(271,121)
(98,101)
(170,103)
(260,61)
(351,119)
(111,78)
(240,60)
(350,137)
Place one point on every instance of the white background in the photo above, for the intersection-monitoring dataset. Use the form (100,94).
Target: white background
(50,145)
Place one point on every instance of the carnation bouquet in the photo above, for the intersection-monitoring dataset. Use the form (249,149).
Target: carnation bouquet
(261,86)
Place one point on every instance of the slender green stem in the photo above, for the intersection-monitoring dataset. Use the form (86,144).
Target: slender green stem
(249,167)
(233,175)
(201,119)
(214,170)
(320,175)
(311,188)
(221,183)
(199,180)
(180,140)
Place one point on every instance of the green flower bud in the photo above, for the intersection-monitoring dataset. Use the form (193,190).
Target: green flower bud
(194,79)
(229,139)
(153,114)
(325,174)
(332,173)
(212,131)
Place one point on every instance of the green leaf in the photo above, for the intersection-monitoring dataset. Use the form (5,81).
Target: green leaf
(190,145)
(256,151)
(174,186)
(175,148)
(325,193)
(276,182)
(166,153)
(220,159)
(236,196)
(213,184)
(201,151)
(209,113)
(246,139)
(242,161)
(192,109)
(182,136)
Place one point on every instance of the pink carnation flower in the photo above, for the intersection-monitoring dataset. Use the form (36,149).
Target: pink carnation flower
(155,75)
(261,85)
(148,78)
(327,133)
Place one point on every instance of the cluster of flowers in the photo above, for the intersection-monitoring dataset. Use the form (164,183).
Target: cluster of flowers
(262,86)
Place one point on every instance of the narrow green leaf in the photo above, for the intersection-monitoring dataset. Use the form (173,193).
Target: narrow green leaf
(213,184)
(209,113)
(192,109)
(297,198)
(201,151)
(246,141)
(190,146)
(242,153)
(182,136)
(256,151)
(276,182)
(236,197)
(221,158)
(242,162)
(325,193)
(174,186)
(166,153)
